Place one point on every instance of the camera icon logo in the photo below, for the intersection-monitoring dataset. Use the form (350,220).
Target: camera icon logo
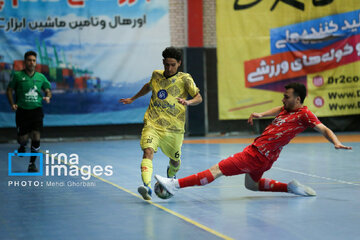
(14,154)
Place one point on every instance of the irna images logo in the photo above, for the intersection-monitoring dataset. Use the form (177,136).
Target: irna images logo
(61,164)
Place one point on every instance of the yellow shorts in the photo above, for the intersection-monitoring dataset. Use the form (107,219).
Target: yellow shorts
(170,143)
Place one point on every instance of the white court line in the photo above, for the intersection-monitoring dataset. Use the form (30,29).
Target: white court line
(286,170)
(316,176)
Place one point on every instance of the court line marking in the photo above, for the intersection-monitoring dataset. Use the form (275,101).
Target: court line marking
(184,218)
(316,176)
(199,225)
(289,170)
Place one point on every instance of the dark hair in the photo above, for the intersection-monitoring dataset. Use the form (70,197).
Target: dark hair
(29,53)
(299,90)
(172,52)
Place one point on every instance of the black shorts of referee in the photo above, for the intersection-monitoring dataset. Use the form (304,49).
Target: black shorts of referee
(28,120)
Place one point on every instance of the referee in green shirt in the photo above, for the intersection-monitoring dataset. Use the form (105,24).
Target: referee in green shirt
(27,85)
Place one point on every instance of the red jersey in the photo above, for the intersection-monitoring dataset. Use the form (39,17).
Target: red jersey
(283,128)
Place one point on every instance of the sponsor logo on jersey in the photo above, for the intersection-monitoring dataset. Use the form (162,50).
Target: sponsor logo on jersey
(162,94)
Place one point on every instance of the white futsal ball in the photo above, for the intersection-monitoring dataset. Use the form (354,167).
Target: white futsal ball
(161,192)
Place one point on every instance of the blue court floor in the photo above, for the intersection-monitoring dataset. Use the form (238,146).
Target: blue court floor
(64,203)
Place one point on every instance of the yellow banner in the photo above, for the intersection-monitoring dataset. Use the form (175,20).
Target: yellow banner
(264,45)
(333,93)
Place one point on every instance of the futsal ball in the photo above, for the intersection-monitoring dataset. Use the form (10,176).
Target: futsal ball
(161,192)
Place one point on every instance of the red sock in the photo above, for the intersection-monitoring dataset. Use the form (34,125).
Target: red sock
(269,185)
(201,178)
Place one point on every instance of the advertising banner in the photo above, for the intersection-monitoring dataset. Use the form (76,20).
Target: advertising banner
(264,45)
(92,52)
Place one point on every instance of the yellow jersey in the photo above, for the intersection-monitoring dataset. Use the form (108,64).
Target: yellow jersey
(164,112)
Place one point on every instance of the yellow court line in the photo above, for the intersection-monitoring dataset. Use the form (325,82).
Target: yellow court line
(199,225)
(186,219)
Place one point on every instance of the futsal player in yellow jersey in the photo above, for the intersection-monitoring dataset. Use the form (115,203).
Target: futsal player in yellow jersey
(164,119)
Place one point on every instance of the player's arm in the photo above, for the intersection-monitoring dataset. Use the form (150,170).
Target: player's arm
(48,95)
(330,135)
(272,112)
(143,91)
(9,94)
(197,99)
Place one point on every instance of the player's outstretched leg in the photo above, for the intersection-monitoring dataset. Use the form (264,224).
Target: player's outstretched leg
(198,179)
(297,188)
(270,185)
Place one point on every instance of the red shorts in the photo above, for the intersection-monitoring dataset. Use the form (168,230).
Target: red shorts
(250,160)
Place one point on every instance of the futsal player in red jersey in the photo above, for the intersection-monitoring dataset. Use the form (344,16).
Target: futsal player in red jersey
(291,118)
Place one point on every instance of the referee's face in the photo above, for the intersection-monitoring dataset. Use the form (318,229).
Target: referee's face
(171,66)
(30,64)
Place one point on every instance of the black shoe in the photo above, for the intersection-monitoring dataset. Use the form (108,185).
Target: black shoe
(32,168)
(21,149)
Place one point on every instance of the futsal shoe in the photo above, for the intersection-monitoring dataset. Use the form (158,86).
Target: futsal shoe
(167,173)
(145,191)
(168,183)
(297,188)
(32,168)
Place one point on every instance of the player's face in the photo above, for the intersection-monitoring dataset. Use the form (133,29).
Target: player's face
(290,101)
(30,63)
(171,66)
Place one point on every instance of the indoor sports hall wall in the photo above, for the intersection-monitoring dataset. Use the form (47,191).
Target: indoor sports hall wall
(92,52)
(205,57)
